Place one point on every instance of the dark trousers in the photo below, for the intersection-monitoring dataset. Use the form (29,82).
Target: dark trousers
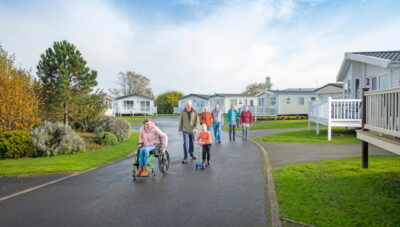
(232,132)
(206,152)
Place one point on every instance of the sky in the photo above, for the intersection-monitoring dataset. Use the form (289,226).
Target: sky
(203,46)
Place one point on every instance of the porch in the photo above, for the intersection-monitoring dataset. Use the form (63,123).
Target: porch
(335,113)
(381,121)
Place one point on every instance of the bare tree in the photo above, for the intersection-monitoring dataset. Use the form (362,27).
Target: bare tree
(254,88)
(132,83)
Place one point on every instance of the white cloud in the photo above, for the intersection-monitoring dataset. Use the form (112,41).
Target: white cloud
(238,42)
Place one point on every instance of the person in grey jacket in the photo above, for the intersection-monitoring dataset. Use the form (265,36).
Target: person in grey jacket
(218,120)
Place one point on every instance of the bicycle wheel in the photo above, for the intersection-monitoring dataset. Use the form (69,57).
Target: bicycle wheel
(163,162)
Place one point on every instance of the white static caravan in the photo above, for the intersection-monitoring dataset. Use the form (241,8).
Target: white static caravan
(289,101)
(378,70)
(134,104)
(333,90)
(239,100)
(199,101)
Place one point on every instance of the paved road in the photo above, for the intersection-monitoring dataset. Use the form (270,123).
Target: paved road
(230,193)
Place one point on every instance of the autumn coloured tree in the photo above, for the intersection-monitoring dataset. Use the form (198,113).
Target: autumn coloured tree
(64,77)
(19,99)
(166,101)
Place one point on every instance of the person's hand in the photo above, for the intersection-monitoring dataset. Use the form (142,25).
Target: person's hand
(195,130)
(180,133)
(163,150)
(197,142)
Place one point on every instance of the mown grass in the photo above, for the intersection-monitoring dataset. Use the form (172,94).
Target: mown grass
(276,124)
(339,135)
(68,163)
(340,192)
(137,120)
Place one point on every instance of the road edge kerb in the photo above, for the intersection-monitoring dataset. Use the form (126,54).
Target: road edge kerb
(15,194)
(274,205)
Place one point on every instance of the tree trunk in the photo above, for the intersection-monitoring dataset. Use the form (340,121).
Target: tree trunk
(66,112)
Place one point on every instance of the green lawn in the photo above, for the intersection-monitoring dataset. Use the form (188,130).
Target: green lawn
(276,124)
(340,192)
(137,120)
(68,163)
(279,124)
(304,136)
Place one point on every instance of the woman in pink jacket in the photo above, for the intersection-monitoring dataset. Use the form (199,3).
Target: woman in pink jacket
(246,119)
(150,136)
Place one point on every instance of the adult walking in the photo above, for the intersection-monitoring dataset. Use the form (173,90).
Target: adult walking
(206,118)
(188,123)
(233,120)
(246,119)
(218,120)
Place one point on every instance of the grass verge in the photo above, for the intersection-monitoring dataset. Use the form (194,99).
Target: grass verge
(68,163)
(277,124)
(340,192)
(305,136)
(137,120)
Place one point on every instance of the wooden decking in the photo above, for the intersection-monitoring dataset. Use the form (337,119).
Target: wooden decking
(335,113)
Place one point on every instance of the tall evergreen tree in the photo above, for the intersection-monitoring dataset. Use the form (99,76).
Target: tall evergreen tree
(64,76)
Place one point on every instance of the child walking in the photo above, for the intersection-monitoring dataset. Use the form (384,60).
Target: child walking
(205,137)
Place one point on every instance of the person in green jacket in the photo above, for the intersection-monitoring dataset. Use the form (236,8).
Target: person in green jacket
(233,120)
(188,123)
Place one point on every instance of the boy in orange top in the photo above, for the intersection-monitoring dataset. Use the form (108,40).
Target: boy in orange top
(205,137)
(206,118)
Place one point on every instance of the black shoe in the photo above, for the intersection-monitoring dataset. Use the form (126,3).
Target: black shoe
(193,157)
(184,161)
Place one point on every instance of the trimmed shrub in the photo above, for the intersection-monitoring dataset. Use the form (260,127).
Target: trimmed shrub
(16,144)
(120,128)
(56,138)
(106,138)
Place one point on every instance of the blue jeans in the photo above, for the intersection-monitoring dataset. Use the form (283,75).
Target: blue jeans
(144,155)
(217,130)
(188,143)
(209,128)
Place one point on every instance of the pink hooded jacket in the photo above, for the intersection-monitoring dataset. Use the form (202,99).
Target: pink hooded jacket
(152,136)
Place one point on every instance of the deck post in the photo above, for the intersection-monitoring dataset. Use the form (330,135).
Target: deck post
(364,150)
(309,125)
(364,145)
(317,128)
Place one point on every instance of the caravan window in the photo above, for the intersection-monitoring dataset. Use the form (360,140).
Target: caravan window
(300,101)
(383,82)
(234,102)
(374,83)
(273,101)
(128,104)
(357,90)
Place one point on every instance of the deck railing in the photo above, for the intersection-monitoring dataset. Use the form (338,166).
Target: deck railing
(383,111)
(335,112)
(261,110)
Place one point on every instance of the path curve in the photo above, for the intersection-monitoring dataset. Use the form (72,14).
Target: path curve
(230,193)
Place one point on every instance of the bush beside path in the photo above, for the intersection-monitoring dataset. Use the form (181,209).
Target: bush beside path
(68,163)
